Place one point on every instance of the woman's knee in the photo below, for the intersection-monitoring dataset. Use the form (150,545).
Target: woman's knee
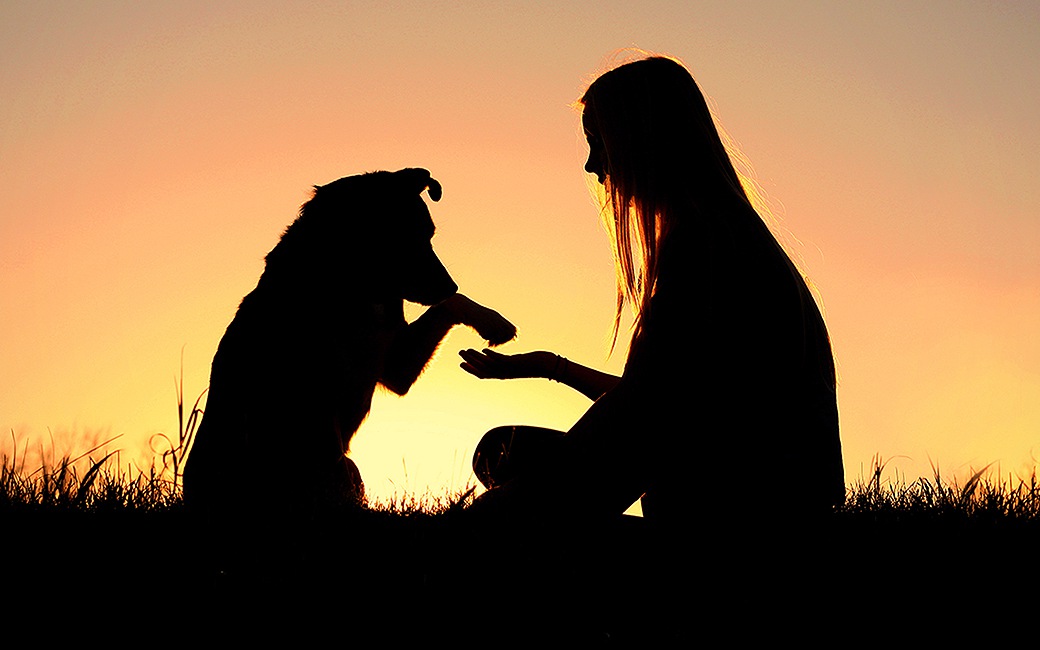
(504,452)
(491,455)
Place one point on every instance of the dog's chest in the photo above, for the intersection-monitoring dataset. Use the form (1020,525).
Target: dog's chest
(362,338)
(388,320)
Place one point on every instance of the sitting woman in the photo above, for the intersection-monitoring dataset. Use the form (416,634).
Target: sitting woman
(728,391)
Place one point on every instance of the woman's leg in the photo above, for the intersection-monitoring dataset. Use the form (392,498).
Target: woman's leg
(507,452)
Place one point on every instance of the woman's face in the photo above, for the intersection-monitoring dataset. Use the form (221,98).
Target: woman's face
(597,162)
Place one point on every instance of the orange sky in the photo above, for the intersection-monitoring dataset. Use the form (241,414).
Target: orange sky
(152,155)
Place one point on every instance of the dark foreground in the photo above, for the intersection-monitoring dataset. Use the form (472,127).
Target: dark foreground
(379,577)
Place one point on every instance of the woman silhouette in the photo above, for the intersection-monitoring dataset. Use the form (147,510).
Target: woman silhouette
(728,391)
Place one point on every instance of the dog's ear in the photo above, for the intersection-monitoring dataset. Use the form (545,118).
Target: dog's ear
(417,180)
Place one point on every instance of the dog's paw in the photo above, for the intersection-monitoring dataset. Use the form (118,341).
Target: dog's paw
(498,332)
(491,325)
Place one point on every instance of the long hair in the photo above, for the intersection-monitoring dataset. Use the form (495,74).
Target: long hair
(664,158)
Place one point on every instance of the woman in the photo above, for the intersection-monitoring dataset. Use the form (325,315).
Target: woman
(728,392)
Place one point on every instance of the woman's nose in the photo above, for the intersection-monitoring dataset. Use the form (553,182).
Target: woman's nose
(594,165)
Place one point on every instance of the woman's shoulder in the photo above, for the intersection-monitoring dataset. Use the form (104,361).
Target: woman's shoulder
(718,259)
(727,277)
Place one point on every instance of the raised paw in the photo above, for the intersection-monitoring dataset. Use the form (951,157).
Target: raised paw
(492,326)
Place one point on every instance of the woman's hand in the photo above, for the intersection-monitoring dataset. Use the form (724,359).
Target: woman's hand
(489,364)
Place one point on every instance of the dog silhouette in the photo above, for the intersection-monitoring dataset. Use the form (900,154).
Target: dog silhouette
(294,374)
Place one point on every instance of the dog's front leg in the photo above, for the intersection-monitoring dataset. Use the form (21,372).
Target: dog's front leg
(414,345)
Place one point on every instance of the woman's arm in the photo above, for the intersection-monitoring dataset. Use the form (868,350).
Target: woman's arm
(489,364)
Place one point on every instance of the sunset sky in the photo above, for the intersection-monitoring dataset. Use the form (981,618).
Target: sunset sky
(152,153)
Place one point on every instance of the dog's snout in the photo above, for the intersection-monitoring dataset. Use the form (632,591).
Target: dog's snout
(429,282)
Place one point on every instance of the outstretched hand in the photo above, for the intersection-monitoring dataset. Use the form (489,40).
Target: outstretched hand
(489,364)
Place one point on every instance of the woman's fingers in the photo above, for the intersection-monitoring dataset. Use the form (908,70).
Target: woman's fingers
(476,371)
(472,370)
(473,363)
(473,357)
(484,365)
(490,364)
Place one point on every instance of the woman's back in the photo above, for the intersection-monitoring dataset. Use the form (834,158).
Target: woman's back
(735,360)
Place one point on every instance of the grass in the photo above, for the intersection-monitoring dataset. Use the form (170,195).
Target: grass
(61,487)
(980,499)
(102,543)
(91,539)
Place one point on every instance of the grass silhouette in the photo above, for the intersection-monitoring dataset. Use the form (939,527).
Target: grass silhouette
(410,570)
(405,563)
(59,486)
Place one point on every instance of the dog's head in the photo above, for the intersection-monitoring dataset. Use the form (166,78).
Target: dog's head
(376,225)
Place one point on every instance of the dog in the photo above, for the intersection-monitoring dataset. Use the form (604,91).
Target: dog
(294,374)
